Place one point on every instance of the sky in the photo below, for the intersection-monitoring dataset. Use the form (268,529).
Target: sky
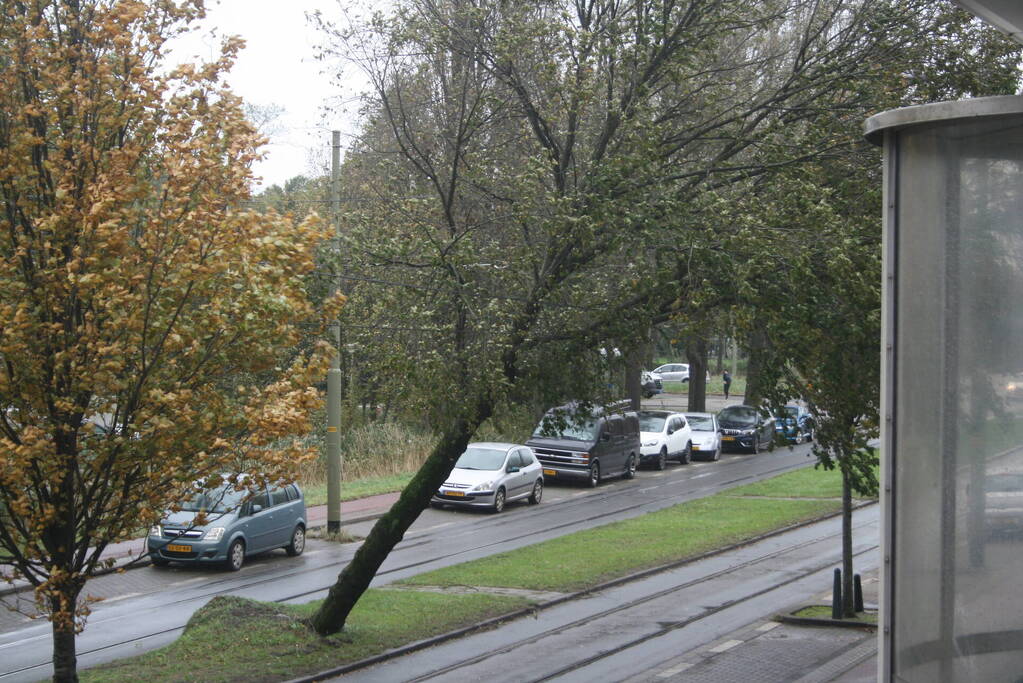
(278,67)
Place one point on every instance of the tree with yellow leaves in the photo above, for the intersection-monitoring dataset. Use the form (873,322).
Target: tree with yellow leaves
(147,325)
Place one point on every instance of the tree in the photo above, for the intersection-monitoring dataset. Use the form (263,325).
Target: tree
(142,316)
(527,159)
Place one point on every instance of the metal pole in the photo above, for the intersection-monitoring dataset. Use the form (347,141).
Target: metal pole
(334,374)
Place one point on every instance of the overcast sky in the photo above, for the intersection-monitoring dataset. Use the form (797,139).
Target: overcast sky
(278,67)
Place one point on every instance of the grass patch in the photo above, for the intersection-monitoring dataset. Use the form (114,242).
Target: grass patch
(316,491)
(824,612)
(235,639)
(586,558)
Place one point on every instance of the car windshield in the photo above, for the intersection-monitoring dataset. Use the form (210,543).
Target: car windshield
(481,459)
(651,423)
(790,411)
(701,423)
(221,500)
(744,416)
(1005,483)
(572,428)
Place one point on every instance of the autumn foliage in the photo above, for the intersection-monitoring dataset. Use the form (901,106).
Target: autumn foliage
(148,323)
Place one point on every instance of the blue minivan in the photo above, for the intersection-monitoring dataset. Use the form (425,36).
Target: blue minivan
(237,524)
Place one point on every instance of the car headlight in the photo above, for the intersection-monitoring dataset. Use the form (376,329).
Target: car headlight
(485,486)
(214,534)
(747,432)
(156,531)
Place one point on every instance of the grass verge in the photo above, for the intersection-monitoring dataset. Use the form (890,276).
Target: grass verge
(316,492)
(824,612)
(236,639)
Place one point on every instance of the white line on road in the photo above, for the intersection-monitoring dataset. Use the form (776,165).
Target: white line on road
(727,645)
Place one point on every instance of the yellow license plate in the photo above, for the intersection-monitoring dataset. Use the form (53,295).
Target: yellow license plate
(179,548)
(459,494)
(550,473)
(696,448)
(728,438)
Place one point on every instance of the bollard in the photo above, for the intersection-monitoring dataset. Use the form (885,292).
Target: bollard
(836,596)
(857,594)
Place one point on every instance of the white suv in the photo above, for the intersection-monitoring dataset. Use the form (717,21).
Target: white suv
(664,435)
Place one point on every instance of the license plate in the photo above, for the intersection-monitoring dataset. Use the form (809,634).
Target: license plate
(728,438)
(179,548)
(550,473)
(457,494)
(696,448)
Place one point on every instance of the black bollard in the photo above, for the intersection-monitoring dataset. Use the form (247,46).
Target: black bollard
(836,596)
(857,594)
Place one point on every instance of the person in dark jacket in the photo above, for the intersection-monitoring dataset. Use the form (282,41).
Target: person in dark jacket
(726,377)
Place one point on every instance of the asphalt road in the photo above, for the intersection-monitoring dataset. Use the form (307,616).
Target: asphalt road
(147,608)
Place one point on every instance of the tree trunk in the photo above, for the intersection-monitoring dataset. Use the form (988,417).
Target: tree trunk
(696,354)
(754,379)
(719,355)
(848,608)
(353,581)
(65,659)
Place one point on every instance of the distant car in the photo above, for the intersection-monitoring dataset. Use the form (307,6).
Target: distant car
(673,372)
(238,524)
(795,423)
(663,435)
(489,475)
(651,383)
(744,428)
(1003,500)
(705,435)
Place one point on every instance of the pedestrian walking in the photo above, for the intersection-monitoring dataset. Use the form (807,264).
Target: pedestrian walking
(726,377)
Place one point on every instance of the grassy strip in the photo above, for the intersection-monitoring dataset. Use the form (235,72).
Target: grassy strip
(235,639)
(316,493)
(586,558)
(824,612)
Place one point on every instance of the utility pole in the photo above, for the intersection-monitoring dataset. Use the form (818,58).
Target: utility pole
(334,374)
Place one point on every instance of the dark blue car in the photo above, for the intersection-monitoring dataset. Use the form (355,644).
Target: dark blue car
(795,423)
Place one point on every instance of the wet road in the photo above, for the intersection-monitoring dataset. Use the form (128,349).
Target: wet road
(147,608)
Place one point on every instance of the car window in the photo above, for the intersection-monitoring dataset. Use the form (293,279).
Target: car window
(681,422)
(261,499)
(527,457)
(615,426)
(651,423)
(476,458)
(278,496)
(515,459)
(702,423)
(292,492)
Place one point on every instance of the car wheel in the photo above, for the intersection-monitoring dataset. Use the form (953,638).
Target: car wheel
(630,467)
(648,394)
(159,561)
(499,500)
(662,458)
(687,454)
(236,555)
(756,444)
(537,495)
(716,455)
(437,506)
(297,544)
(594,475)
(770,445)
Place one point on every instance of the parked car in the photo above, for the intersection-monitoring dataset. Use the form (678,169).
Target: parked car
(663,435)
(673,372)
(795,423)
(744,428)
(589,443)
(490,475)
(705,435)
(652,384)
(238,524)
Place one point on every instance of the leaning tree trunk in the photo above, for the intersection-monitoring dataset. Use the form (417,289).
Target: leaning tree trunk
(353,581)
(696,354)
(754,370)
(633,377)
(848,605)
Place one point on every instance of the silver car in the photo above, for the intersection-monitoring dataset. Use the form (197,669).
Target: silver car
(489,475)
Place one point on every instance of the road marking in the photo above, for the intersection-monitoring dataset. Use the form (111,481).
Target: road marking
(768,626)
(698,476)
(668,673)
(187,581)
(727,645)
(120,597)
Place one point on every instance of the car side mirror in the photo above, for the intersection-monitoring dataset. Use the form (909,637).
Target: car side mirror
(512,469)
(605,437)
(671,431)
(255,508)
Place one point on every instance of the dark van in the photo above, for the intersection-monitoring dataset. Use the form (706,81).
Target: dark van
(587,443)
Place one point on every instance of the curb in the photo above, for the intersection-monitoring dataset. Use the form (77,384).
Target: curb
(791,618)
(143,561)
(526,611)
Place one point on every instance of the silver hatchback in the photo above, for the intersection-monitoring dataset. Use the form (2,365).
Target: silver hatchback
(489,475)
